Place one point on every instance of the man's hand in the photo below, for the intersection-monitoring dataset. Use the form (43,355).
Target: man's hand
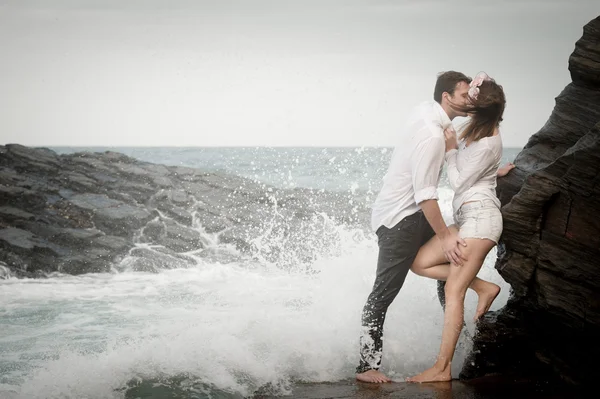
(503,171)
(451,243)
(450,137)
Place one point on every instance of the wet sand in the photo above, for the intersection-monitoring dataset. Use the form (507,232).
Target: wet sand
(484,388)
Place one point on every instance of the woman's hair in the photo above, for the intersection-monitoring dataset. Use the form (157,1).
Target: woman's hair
(486,109)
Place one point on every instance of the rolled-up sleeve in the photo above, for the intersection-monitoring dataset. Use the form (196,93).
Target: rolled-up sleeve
(426,163)
(475,166)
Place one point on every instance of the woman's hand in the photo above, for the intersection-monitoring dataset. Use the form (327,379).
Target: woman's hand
(450,136)
(503,171)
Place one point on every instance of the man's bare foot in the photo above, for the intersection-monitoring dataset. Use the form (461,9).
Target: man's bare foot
(373,376)
(433,374)
(486,297)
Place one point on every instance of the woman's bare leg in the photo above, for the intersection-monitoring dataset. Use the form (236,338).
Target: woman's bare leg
(431,262)
(459,279)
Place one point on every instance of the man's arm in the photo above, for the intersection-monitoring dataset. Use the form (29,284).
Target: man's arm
(426,162)
(449,239)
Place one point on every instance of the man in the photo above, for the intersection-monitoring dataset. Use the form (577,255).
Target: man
(406,213)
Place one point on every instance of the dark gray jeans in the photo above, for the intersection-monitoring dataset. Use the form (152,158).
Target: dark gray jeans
(398,248)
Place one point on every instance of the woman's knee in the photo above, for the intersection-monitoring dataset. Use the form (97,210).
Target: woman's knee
(417,266)
(418,271)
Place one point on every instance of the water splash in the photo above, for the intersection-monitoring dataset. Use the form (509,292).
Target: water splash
(232,328)
(216,321)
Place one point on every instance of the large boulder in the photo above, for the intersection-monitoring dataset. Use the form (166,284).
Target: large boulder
(550,249)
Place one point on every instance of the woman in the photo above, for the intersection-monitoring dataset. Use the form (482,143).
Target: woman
(472,167)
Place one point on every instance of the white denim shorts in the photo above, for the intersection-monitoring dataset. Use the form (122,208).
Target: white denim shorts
(479,219)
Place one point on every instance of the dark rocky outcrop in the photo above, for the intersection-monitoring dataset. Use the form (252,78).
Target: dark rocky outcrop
(550,252)
(91,212)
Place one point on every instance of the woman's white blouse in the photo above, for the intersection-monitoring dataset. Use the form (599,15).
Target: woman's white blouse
(472,170)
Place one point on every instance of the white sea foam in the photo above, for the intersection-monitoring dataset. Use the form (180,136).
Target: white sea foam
(237,325)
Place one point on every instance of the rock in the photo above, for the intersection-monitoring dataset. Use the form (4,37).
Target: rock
(179,214)
(38,156)
(20,197)
(122,219)
(9,177)
(76,237)
(86,212)
(17,238)
(12,261)
(19,244)
(153,231)
(212,223)
(131,169)
(10,214)
(117,244)
(77,179)
(104,178)
(154,260)
(584,63)
(94,260)
(4,271)
(178,197)
(93,202)
(63,213)
(180,238)
(162,181)
(551,240)
(112,215)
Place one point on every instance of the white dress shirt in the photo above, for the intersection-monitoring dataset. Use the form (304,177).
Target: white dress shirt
(415,168)
(472,170)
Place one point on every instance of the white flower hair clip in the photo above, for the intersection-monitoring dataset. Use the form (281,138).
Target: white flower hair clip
(476,82)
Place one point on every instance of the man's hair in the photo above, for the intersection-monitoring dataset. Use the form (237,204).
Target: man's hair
(446,82)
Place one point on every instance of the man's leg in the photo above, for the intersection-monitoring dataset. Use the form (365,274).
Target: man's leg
(398,247)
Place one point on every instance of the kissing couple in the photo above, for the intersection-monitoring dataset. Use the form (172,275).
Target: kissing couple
(407,220)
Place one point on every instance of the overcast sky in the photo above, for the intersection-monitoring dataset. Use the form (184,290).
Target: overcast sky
(278,72)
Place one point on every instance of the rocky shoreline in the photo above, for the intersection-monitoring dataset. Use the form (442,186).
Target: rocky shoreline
(87,212)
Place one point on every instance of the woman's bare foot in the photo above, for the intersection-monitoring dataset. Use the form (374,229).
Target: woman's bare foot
(433,374)
(373,376)
(486,297)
